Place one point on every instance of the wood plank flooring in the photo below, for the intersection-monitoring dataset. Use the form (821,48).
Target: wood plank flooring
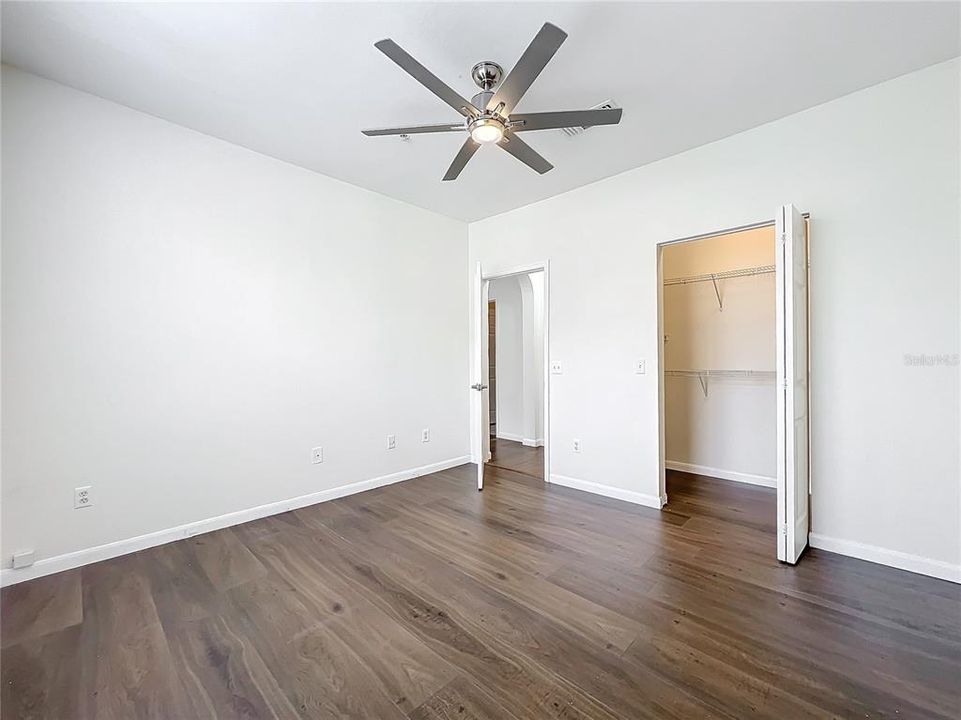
(429,600)
(510,455)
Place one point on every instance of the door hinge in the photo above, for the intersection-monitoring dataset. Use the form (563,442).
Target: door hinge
(783,529)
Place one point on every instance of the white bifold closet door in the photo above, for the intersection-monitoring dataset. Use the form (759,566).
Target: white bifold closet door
(793,478)
(480,372)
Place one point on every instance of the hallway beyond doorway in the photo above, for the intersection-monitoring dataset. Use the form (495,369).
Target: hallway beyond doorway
(510,455)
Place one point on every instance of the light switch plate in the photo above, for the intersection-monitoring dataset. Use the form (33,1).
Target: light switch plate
(640,367)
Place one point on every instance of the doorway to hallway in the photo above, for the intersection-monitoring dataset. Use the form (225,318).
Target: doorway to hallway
(513,393)
(515,378)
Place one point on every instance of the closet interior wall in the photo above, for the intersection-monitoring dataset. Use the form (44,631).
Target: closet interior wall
(719,356)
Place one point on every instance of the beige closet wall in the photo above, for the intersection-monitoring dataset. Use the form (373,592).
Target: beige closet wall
(730,432)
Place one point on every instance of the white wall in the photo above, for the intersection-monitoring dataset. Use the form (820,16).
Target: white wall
(509,354)
(534,358)
(519,356)
(183,320)
(879,172)
(731,431)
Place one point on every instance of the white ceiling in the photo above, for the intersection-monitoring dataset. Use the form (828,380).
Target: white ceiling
(299,81)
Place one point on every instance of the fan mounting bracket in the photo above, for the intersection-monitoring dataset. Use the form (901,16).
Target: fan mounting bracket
(486,74)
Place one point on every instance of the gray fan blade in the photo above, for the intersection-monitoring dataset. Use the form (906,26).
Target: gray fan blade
(535,57)
(525,153)
(565,119)
(416,130)
(425,77)
(467,151)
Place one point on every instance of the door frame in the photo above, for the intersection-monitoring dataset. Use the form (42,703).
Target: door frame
(494,273)
(661,425)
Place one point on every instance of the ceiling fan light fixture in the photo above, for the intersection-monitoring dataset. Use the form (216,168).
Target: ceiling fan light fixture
(486,130)
(490,113)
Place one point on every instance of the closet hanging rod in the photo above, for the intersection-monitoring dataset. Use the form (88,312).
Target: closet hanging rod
(742,272)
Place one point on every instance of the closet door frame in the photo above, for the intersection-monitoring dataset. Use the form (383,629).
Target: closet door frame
(661,426)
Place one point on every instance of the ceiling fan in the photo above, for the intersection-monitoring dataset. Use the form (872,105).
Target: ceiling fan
(489,117)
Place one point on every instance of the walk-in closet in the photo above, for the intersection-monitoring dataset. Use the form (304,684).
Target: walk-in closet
(719,367)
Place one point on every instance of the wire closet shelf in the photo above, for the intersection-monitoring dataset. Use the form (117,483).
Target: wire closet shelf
(704,375)
(723,275)
(709,277)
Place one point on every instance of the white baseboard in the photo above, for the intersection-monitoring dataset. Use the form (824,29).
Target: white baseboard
(68,561)
(610,491)
(529,442)
(762,480)
(891,558)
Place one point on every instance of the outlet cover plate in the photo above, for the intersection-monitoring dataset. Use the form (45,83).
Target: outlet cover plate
(82,497)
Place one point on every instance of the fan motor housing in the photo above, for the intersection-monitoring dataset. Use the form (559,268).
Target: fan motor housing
(481,99)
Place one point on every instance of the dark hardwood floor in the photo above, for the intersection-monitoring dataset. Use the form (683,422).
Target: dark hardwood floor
(510,455)
(427,599)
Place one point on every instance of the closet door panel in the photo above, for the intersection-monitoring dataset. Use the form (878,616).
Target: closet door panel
(793,480)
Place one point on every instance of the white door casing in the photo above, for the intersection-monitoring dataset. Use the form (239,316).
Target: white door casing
(479,361)
(479,373)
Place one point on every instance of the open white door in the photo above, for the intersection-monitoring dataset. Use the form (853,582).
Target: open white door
(479,373)
(792,384)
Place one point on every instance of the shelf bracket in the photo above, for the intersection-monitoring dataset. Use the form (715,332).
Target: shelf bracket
(702,378)
(720,305)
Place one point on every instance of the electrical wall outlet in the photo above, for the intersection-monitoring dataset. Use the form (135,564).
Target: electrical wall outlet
(425,435)
(317,455)
(22,559)
(576,445)
(82,497)
(557,368)
(391,442)
(640,367)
